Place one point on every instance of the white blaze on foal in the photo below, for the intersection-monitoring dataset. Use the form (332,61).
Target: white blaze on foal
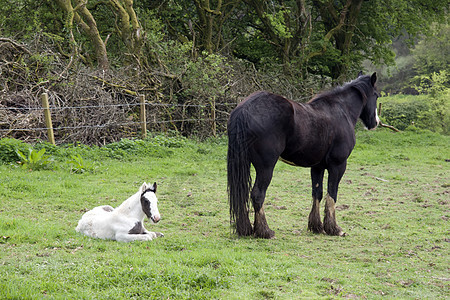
(125,223)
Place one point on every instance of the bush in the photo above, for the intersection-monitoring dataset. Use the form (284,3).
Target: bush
(422,112)
(13,151)
(402,111)
(127,148)
(437,118)
(9,148)
(437,86)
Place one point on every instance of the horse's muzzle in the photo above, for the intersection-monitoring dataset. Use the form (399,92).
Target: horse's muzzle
(155,219)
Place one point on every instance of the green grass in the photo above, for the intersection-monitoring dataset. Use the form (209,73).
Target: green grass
(393,203)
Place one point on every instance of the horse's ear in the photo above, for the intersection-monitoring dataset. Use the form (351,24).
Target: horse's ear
(360,74)
(143,187)
(373,78)
(154,187)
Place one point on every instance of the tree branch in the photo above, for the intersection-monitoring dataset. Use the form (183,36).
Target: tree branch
(15,44)
(389,126)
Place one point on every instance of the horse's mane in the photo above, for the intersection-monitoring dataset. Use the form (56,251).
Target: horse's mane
(361,84)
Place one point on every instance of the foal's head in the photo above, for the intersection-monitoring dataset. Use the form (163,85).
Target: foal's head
(366,86)
(149,202)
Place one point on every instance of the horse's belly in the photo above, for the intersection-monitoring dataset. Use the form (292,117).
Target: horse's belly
(96,223)
(301,160)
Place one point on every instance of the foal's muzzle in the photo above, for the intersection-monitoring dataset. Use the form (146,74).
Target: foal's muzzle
(155,219)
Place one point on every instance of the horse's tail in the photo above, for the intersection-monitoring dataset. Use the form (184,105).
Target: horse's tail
(238,169)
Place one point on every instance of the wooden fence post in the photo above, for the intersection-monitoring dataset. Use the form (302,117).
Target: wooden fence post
(48,118)
(213,116)
(143,117)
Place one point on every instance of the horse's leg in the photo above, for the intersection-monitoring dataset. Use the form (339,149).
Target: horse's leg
(314,222)
(126,237)
(153,234)
(329,222)
(258,194)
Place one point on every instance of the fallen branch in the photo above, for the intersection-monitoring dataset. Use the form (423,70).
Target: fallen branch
(15,44)
(381,179)
(117,86)
(389,126)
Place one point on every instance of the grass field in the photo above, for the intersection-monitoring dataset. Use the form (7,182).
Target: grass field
(393,204)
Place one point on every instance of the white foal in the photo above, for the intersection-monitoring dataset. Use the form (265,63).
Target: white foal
(125,223)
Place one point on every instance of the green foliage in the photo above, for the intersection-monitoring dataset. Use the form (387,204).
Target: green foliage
(36,160)
(175,141)
(284,31)
(431,54)
(255,50)
(422,112)
(415,68)
(437,118)
(79,165)
(402,111)
(9,148)
(50,149)
(278,22)
(44,155)
(158,146)
(24,18)
(207,77)
(434,84)
(437,87)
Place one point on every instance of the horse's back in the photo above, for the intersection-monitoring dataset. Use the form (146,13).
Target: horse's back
(104,222)
(302,134)
(92,222)
(265,102)
(264,113)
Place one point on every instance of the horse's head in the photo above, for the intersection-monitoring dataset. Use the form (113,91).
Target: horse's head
(366,86)
(149,202)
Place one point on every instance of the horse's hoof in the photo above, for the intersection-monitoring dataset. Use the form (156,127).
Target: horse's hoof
(333,230)
(317,229)
(270,235)
(266,234)
(159,234)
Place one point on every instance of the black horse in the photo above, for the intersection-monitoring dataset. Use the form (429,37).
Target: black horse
(319,134)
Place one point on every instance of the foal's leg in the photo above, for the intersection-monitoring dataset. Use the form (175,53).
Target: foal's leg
(314,222)
(258,194)
(130,237)
(154,234)
(329,222)
(126,237)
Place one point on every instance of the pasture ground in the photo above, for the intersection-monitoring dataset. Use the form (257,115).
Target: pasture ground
(393,203)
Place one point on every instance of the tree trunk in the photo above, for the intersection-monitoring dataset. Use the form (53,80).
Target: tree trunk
(340,26)
(129,28)
(207,18)
(86,21)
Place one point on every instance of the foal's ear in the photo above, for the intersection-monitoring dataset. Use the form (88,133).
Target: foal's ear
(154,187)
(360,74)
(373,78)
(143,187)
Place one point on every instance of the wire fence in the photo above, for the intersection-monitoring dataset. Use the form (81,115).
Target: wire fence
(73,123)
(111,105)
